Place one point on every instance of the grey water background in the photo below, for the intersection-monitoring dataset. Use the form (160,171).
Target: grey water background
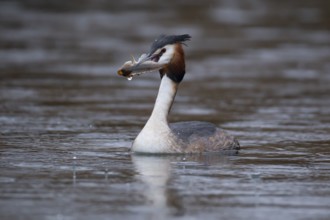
(258,68)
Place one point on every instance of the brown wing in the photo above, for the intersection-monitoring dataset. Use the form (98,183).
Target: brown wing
(196,136)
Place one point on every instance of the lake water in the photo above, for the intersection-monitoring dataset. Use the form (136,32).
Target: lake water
(259,69)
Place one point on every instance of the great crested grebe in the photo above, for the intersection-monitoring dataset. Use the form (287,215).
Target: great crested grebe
(158,136)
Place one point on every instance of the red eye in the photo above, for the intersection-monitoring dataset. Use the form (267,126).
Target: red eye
(156,57)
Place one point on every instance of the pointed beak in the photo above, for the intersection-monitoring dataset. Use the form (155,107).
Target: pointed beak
(143,65)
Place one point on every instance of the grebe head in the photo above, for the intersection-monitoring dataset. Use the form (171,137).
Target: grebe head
(166,55)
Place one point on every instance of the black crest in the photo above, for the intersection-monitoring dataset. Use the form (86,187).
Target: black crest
(163,40)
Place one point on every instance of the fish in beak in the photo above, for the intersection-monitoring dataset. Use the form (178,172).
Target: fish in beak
(146,63)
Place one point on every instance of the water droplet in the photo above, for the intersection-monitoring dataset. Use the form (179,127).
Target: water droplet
(129,78)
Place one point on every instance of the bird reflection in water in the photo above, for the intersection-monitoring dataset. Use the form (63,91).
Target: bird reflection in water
(156,173)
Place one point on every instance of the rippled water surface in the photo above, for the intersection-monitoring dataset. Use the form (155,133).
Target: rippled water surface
(258,68)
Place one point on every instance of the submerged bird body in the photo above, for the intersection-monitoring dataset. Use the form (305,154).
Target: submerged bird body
(159,136)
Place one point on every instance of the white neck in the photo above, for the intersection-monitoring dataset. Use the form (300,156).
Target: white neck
(164,100)
(151,138)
